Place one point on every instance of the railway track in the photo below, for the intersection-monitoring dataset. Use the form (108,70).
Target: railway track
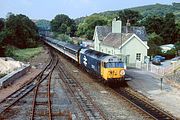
(13,98)
(86,105)
(145,106)
(42,101)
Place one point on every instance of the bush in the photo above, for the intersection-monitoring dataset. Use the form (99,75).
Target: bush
(65,38)
(9,51)
(22,54)
(169,54)
(2,75)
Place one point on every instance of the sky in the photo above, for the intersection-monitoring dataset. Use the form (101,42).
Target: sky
(48,9)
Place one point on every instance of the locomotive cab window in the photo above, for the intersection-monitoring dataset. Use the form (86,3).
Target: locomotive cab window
(114,65)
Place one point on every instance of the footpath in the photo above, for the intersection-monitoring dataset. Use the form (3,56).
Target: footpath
(162,93)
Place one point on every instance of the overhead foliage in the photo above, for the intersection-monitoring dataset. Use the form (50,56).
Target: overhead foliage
(1,24)
(154,42)
(19,31)
(87,27)
(177,48)
(153,24)
(164,27)
(169,31)
(132,16)
(63,25)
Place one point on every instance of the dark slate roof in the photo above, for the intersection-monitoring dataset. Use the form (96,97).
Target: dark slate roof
(139,31)
(103,31)
(116,39)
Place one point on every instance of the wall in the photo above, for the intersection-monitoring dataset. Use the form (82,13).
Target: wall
(128,51)
(132,47)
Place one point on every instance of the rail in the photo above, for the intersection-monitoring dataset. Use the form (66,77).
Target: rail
(144,105)
(85,103)
(13,98)
(48,93)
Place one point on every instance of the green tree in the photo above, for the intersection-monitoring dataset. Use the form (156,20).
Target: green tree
(154,24)
(86,29)
(22,32)
(131,15)
(153,49)
(63,25)
(1,24)
(155,39)
(177,48)
(169,32)
(153,43)
(65,38)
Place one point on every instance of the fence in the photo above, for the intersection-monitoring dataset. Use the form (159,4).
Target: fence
(164,70)
(159,70)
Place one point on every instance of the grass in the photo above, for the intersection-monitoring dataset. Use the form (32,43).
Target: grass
(2,75)
(25,54)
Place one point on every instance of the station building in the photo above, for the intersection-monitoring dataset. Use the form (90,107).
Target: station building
(127,42)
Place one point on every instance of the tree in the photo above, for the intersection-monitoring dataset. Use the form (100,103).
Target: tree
(153,43)
(22,32)
(1,24)
(63,25)
(132,16)
(154,24)
(153,49)
(86,29)
(177,48)
(169,29)
(155,39)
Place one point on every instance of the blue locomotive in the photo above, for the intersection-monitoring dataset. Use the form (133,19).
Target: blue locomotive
(104,65)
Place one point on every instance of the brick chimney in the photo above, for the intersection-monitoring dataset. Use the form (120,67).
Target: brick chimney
(116,26)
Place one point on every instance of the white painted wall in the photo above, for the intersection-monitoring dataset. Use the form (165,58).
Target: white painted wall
(133,47)
(116,26)
(130,49)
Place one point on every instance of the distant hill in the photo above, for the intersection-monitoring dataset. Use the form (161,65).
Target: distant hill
(145,11)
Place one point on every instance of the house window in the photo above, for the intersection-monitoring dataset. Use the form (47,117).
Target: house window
(138,56)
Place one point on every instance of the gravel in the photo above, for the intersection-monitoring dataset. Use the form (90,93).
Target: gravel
(113,106)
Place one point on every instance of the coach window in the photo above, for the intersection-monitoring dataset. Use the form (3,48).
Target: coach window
(138,56)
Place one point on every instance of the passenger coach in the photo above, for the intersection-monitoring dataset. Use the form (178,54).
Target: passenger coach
(106,66)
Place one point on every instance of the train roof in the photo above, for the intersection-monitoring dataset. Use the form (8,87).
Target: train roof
(73,47)
(100,56)
(94,53)
(61,42)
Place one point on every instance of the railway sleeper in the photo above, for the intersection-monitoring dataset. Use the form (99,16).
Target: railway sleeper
(42,103)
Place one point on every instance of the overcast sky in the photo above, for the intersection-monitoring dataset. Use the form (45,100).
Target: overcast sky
(48,9)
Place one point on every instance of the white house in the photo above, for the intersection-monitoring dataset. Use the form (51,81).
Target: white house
(165,48)
(127,42)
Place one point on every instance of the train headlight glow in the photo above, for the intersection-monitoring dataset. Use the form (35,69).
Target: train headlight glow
(122,72)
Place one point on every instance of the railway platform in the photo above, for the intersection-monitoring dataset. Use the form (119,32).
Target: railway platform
(163,94)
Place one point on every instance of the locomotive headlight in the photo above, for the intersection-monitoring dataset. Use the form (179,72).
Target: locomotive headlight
(122,72)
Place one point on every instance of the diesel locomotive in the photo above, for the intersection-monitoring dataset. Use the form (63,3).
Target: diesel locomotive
(108,67)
